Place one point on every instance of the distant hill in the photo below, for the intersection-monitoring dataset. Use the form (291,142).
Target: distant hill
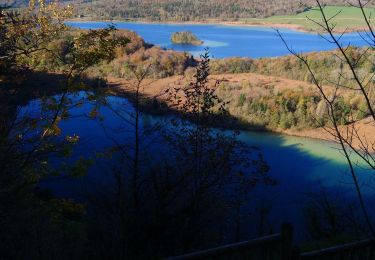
(186,10)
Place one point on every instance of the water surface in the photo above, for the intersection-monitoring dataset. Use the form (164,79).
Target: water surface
(229,41)
(302,167)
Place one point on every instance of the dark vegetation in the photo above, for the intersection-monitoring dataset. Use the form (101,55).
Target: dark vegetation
(191,10)
(150,206)
(153,204)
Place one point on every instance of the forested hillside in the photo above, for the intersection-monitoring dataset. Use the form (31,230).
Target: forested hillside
(187,10)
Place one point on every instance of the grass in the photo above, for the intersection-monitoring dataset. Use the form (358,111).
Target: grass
(349,18)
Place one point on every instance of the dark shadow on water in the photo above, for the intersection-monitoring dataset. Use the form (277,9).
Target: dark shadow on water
(290,165)
(296,170)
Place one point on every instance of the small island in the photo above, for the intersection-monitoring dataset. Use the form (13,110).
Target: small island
(185,37)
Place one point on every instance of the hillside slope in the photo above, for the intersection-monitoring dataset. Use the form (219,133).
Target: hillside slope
(190,10)
(187,10)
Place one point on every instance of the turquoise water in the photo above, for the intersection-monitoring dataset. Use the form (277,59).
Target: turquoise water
(229,41)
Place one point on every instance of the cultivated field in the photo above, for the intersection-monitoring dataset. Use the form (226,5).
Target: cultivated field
(347,18)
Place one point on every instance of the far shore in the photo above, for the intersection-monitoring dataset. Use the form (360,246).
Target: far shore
(208,22)
(293,27)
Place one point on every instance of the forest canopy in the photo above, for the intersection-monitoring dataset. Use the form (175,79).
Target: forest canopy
(188,10)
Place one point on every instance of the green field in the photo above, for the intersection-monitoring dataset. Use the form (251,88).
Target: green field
(350,17)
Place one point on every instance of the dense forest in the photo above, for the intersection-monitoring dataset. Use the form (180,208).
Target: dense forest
(190,10)
(266,106)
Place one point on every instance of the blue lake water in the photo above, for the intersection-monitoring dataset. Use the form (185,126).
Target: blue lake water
(303,168)
(300,166)
(229,41)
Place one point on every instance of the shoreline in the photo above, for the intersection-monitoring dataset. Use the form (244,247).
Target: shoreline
(239,126)
(318,134)
(293,27)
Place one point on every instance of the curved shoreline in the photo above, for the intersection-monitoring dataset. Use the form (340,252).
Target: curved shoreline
(209,22)
(293,27)
(156,87)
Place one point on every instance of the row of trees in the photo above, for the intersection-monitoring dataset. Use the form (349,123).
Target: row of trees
(192,10)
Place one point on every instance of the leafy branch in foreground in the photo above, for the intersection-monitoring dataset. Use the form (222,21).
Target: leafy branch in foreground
(210,159)
(30,140)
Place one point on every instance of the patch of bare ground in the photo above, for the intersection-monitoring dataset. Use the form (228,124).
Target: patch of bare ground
(156,87)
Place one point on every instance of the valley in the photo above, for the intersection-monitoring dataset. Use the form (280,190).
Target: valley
(141,129)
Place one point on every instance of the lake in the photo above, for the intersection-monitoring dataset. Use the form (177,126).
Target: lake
(228,41)
(303,168)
